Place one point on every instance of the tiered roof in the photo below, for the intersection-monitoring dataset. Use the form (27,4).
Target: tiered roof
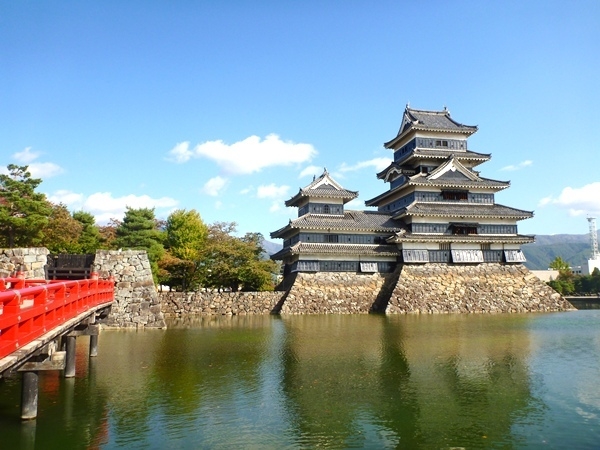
(350,221)
(322,187)
(451,174)
(419,120)
(461,238)
(463,210)
(338,249)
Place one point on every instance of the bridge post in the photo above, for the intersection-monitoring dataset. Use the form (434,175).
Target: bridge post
(70,356)
(93,345)
(29,395)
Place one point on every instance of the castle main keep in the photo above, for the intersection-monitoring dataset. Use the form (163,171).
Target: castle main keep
(437,241)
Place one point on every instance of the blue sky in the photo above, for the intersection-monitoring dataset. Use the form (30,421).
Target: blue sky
(230,107)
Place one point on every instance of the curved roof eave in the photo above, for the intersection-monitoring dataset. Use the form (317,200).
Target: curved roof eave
(473,238)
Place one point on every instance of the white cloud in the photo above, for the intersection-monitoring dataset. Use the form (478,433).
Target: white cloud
(519,166)
(248,156)
(26,156)
(310,171)
(181,153)
(378,163)
(578,201)
(272,191)
(105,207)
(71,199)
(44,170)
(213,186)
(37,169)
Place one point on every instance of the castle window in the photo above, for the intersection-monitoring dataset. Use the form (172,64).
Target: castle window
(326,209)
(463,229)
(332,238)
(441,144)
(455,195)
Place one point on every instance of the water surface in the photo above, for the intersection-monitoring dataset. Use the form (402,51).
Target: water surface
(335,381)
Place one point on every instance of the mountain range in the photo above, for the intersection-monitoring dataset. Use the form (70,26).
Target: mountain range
(573,248)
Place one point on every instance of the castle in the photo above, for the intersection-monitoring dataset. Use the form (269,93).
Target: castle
(437,243)
(437,208)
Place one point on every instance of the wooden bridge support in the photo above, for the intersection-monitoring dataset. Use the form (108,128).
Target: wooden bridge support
(29,395)
(61,360)
(30,378)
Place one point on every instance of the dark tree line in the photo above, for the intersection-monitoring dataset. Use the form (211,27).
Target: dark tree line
(184,252)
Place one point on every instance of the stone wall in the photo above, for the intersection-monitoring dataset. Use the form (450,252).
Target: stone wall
(180,304)
(338,293)
(427,288)
(32,261)
(136,300)
(482,288)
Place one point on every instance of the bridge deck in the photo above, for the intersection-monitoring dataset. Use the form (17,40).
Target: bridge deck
(34,312)
(21,355)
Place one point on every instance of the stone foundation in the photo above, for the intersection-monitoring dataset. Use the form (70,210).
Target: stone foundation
(338,293)
(180,304)
(427,289)
(31,260)
(136,300)
(482,288)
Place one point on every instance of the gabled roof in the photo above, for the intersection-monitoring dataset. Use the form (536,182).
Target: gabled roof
(351,221)
(458,181)
(421,120)
(337,249)
(322,187)
(452,169)
(448,180)
(463,210)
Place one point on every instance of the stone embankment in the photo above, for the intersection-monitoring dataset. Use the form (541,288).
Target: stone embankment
(427,288)
(482,288)
(180,304)
(337,293)
(136,300)
(30,260)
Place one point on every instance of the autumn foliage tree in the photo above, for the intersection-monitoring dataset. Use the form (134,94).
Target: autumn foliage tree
(62,232)
(235,263)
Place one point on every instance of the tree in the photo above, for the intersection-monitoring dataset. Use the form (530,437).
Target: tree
(23,212)
(186,236)
(560,264)
(235,263)
(62,232)
(565,282)
(108,233)
(139,230)
(90,238)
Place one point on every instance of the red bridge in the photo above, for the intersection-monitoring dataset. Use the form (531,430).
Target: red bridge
(38,318)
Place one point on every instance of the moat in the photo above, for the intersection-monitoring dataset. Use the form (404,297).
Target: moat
(333,381)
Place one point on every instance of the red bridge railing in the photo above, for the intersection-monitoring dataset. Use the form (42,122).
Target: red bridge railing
(30,308)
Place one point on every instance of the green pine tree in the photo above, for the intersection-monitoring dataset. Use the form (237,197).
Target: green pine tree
(23,212)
